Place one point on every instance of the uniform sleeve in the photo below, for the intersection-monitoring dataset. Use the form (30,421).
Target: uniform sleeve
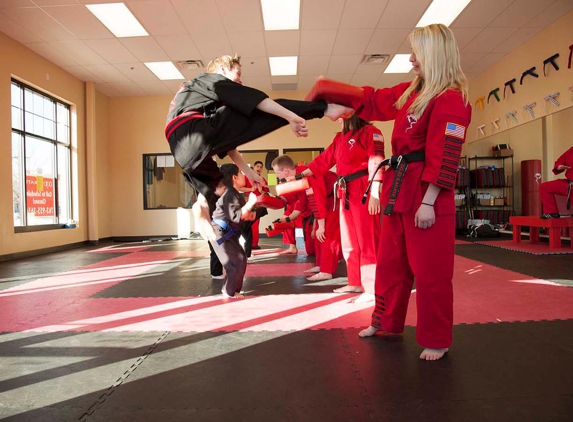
(566,157)
(317,196)
(379,103)
(375,143)
(301,203)
(232,207)
(325,161)
(449,121)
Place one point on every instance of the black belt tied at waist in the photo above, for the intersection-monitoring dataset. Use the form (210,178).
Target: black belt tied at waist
(228,230)
(341,184)
(569,194)
(400,164)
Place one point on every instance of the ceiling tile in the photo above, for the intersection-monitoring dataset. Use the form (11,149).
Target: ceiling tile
(179,47)
(248,43)
(158,17)
(362,13)
(81,53)
(313,65)
(519,13)
(212,45)
(107,73)
(191,73)
(403,13)
(465,35)
(199,16)
(80,21)
(387,41)
(375,69)
(255,67)
(262,83)
(487,61)
(53,54)
(344,64)
(321,14)
(128,89)
(55,2)
(136,72)
(317,42)
(341,77)
(551,14)
(82,73)
(241,16)
(282,43)
(172,86)
(305,82)
(111,50)
(39,23)
(107,90)
(387,80)
(145,49)
(16,31)
(155,87)
(5,4)
(352,41)
(515,40)
(405,47)
(364,79)
(287,79)
(488,39)
(478,14)
(469,59)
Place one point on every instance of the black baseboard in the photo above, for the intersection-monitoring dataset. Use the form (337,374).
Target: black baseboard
(37,252)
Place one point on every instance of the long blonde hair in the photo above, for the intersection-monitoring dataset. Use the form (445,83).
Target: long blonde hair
(435,48)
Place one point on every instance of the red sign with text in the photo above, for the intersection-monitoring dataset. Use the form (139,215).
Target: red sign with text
(40,196)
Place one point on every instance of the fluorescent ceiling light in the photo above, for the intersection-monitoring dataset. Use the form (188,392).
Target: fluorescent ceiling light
(118,19)
(443,11)
(280,14)
(166,71)
(282,66)
(399,64)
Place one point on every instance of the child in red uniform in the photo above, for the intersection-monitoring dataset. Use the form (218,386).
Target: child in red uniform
(563,187)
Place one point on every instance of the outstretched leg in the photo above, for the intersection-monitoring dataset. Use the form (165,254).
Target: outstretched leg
(203,219)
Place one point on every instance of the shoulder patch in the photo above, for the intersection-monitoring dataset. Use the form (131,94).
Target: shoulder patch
(455,130)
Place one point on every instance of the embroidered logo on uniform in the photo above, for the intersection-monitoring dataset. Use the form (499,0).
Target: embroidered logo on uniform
(378,137)
(412,120)
(351,142)
(457,131)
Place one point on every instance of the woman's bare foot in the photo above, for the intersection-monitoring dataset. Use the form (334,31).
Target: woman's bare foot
(348,289)
(433,354)
(320,276)
(335,111)
(313,270)
(291,250)
(368,332)
(235,296)
(363,298)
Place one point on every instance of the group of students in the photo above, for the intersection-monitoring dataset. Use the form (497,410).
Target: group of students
(214,113)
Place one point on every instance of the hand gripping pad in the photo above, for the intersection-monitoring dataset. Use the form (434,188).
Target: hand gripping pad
(334,92)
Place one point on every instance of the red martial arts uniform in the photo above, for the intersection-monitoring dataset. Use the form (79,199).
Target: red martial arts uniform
(563,187)
(322,205)
(359,231)
(298,201)
(255,226)
(405,251)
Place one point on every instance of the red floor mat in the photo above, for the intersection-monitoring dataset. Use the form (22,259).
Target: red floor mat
(527,247)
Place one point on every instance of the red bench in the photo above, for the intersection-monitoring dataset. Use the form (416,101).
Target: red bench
(554,225)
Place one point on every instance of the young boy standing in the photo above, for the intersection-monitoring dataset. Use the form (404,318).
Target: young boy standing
(230,210)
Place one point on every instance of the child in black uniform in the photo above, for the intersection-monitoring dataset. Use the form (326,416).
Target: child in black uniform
(230,210)
(214,113)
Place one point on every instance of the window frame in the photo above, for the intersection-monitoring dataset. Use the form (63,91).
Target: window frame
(22,86)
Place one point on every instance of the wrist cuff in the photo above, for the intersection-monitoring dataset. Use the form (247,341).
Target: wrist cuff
(287,219)
(298,176)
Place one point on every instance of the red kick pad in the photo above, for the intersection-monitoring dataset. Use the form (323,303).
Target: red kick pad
(335,92)
(269,201)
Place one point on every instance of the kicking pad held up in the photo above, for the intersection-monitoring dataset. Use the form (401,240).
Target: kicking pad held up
(334,92)
(269,201)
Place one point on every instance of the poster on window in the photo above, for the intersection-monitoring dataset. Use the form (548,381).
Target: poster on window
(40,196)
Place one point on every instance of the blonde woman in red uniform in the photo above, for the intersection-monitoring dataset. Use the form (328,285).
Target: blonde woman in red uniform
(431,116)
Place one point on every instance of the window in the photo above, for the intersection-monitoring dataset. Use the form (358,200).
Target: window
(41,164)
(164,184)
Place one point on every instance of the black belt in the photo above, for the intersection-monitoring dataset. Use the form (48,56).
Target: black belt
(569,194)
(228,230)
(400,164)
(343,180)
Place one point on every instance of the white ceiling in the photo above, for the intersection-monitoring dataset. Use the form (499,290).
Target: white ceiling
(334,37)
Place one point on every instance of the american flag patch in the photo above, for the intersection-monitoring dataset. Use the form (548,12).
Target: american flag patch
(378,137)
(457,131)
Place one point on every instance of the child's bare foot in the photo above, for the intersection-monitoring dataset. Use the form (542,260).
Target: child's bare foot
(348,289)
(433,354)
(368,332)
(320,276)
(335,111)
(292,250)
(202,220)
(235,296)
(363,298)
(313,270)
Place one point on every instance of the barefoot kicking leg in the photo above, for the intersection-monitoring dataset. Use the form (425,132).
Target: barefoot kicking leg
(349,289)
(368,332)
(335,111)
(202,218)
(433,354)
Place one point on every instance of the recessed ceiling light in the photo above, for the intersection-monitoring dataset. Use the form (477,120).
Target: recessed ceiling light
(399,64)
(280,14)
(282,66)
(118,19)
(443,11)
(166,71)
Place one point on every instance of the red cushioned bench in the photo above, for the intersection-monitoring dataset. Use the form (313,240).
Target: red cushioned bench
(554,225)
